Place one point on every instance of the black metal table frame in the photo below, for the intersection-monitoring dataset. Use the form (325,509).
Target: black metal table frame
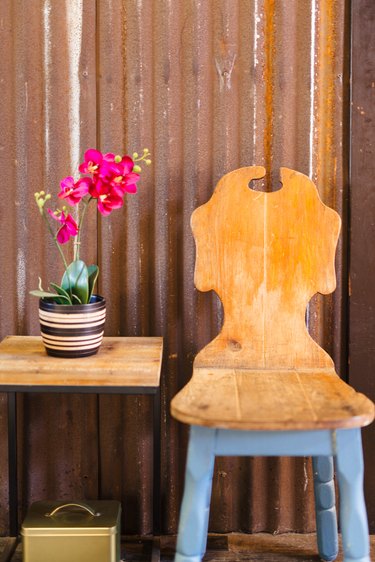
(12,392)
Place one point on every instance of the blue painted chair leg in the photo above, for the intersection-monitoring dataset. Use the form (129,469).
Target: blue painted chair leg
(353,518)
(325,509)
(193,525)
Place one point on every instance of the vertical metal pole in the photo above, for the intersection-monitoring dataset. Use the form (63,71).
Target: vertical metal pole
(12,464)
(156,468)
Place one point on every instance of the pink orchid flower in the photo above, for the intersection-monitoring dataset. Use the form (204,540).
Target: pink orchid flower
(98,187)
(118,165)
(108,170)
(107,203)
(93,159)
(69,226)
(109,157)
(127,165)
(119,170)
(112,177)
(119,175)
(72,191)
(129,182)
(108,197)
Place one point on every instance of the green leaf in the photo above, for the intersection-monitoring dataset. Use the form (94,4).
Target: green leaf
(75,298)
(93,275)
(63,294)
(76,280)
(59,290)
(59,299)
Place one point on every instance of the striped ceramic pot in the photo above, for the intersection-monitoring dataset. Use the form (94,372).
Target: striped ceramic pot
(72,331)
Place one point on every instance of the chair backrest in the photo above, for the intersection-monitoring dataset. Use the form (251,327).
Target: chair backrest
(265,255)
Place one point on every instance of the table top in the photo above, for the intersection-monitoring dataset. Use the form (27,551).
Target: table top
(122,364)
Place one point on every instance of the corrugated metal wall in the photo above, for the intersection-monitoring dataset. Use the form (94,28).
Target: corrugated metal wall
(207,86)
(362,196)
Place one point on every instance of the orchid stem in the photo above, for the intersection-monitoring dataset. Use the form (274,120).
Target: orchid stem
(59,249)
(77,244)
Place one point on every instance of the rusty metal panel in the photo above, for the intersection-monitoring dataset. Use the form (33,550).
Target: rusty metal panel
(207,86)
(362,263)
(48,117)
(221,84)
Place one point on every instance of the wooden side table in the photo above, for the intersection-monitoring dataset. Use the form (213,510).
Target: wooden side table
(122,366)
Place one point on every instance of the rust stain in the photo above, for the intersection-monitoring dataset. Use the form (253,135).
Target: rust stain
(327,150)
(269,39)
(327,92)
(141,86)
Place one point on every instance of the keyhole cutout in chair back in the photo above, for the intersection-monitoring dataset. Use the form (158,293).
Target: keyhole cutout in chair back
(265,255)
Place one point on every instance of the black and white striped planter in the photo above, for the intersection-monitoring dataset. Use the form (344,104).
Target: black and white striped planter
(72,331)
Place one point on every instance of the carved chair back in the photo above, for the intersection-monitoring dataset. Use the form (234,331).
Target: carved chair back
(265,255)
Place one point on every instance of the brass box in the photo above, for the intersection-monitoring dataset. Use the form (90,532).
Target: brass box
(72,532)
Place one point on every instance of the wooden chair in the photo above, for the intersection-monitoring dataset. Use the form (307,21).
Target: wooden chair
(263,386)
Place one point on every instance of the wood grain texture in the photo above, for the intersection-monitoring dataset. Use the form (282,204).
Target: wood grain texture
(266,255)
(270,400)
(121,361)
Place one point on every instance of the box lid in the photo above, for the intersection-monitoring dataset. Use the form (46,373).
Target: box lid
(101,517)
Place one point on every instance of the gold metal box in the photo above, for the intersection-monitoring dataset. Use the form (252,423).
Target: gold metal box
(72,532)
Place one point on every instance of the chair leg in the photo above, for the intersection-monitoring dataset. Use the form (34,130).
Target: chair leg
(353,518)
(325,509)
(195,508)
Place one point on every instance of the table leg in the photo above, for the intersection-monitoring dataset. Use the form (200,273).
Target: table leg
(12,464)
(156,495)
(156,470)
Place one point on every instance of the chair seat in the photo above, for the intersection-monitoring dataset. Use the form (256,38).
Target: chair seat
(271,400)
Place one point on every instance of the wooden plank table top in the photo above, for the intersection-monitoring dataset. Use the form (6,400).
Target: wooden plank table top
(122,362)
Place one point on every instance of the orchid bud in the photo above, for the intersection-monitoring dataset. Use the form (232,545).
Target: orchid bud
(135,155)
(42,193)
(148,162)
(137,169)
(48,197)
(118,159)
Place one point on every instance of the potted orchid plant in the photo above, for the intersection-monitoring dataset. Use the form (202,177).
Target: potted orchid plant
(70,306)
